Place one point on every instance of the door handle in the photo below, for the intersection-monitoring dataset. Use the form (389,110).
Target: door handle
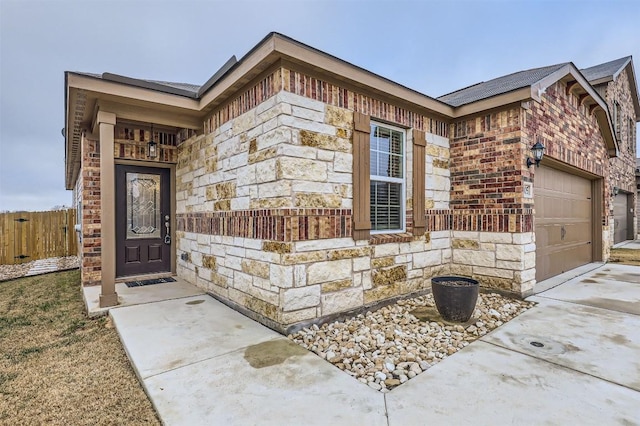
(563,232)
(167,235)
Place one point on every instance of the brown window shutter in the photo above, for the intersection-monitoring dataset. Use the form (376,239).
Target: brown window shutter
(419,144)
(361,177)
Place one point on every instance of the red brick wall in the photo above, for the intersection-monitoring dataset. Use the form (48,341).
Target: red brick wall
(486,170)
(90,187)
(488,167)
(130,143)
(567,130)
(271,224)
(487,174)
(569,133)
(623,166)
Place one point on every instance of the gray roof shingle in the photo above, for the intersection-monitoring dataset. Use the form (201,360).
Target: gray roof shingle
(498,86)
(184,86)
(608,69)
(192,88)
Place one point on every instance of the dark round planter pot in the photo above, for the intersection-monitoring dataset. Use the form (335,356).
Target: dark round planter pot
(455,297)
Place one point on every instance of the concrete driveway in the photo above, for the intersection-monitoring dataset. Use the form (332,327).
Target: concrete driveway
(572,359)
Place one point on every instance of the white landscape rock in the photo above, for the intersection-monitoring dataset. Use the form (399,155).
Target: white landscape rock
(390,346)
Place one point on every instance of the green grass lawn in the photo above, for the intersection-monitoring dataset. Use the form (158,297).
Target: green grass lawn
(59,367)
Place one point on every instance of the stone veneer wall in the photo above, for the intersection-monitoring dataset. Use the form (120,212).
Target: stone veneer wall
(264,205)
(623,166)
(571,134)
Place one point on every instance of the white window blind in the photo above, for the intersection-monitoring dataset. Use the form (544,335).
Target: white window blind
(387,148)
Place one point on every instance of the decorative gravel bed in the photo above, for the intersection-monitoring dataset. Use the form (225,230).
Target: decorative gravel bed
(9,272)
(385,348)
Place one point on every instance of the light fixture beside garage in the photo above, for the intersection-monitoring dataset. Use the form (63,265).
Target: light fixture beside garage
(538,152)
(616,190)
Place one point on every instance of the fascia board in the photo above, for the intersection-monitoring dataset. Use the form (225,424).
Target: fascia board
(238,71)
(498,101)
(633,84)
(126,91)
(538,88)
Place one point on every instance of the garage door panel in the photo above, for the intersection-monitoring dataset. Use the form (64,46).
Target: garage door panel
(580,210)
(620,218)
(577,233)
(563,223)
(576,256)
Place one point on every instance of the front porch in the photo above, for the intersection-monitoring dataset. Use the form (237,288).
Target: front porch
(129,296)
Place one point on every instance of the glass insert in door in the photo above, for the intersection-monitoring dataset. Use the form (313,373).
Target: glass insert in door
(143,205)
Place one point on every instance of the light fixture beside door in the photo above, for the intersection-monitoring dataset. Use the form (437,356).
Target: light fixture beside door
(152,147)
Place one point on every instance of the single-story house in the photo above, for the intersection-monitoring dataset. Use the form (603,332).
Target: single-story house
(296,186)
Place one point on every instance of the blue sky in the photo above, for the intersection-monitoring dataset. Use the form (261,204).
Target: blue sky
(431,46)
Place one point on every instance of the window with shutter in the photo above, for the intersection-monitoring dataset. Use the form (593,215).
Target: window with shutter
(419,146)
(361,208)
(387,178)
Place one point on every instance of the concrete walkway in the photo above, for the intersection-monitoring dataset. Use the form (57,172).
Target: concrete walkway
(634,245)
(131,296)
(202,363)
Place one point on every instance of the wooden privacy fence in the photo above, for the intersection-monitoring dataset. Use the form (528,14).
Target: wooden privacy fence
(28,236)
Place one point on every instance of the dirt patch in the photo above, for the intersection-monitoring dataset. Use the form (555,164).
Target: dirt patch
(59,367)
(625,256)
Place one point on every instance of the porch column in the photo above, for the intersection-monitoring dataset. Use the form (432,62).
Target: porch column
(108,296)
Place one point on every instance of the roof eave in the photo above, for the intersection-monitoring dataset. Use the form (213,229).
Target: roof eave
(633,84)
(85,93)
(122,89)
(67,179)
(536,90)
(157,87)
(277,46)
(602,112)
(497,101)
(360,76)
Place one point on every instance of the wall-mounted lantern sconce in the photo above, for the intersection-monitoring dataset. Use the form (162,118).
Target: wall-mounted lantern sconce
(616,190)
(538,152)
(152,147)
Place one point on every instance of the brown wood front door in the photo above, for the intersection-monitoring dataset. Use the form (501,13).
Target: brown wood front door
(142,214)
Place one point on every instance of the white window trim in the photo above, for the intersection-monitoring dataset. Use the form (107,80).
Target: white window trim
(403,181)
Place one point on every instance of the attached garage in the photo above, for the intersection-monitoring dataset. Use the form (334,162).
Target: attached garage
(621,218)
(563,221)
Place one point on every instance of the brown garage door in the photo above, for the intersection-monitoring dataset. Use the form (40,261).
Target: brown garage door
(562,222)
(620,218)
